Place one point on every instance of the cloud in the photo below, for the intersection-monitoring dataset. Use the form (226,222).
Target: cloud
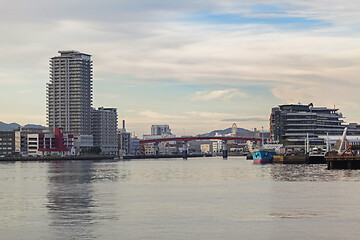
(142,42)
(341,94)
(250,119)
(224,94)
(151,115)
(209,115)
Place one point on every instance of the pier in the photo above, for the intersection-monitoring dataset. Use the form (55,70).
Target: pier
(343,162)
(291,159)
(300,159)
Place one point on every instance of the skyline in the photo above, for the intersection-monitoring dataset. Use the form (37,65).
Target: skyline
(197,66)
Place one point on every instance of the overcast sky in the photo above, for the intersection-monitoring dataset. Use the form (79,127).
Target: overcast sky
(196,65)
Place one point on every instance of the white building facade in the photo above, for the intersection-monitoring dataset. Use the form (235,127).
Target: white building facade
(82,143)
(160,129)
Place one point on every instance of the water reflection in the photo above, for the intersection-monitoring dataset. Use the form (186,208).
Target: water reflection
(313,172)
(176,199)
(70,199)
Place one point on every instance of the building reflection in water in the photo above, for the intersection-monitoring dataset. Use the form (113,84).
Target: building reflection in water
(70,199)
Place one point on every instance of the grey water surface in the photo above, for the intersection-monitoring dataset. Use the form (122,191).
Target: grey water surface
(198,198)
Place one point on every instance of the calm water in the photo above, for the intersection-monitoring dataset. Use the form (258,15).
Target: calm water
(203,198)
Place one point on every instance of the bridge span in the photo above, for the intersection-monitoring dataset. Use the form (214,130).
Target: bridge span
(185,141)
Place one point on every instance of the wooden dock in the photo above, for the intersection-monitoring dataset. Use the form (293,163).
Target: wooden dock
(343,162)
(290,159)
(299,159)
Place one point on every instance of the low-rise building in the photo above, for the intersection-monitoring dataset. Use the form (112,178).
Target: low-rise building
(83,144)
(134,146)
(217,146)
(206,148)
(128,145)
(7,143)
(21,137)
(149,149)
(124,142)
(56,143)
(157,132)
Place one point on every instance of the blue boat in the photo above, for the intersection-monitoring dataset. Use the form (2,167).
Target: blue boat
(265,153)
(263,156)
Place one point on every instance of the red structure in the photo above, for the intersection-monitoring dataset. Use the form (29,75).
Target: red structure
(186,139)
(55,142)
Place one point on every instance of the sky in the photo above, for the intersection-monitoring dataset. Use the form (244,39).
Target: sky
(196,65)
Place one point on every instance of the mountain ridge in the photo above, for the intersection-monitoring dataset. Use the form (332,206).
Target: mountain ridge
(8,127)
(221,132)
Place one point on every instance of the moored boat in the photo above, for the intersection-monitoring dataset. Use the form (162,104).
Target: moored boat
(262,156)
(265,153)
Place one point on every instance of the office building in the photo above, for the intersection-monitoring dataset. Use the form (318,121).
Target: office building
(56,143)
(160,129)
(83,144)
(69,93)
(294,123)
(7,143)
(134,146)
(105,129)
(21,137)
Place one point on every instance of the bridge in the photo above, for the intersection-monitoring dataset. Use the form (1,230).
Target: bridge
(185,141)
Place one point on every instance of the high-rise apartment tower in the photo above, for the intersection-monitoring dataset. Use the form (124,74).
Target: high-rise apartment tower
(69,93)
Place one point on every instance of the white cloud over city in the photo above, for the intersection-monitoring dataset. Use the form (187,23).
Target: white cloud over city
(184,57)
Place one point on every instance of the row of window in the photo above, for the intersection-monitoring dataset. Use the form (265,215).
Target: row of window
(6,139)
(5,153)
(5,148)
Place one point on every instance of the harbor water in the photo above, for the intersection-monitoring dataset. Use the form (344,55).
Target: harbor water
(198,198)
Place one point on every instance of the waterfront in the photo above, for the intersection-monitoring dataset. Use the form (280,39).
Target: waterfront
(201,198)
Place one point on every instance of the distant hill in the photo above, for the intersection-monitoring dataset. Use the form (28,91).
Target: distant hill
(8,126)
(13,126)
(34,126)
(221,132)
